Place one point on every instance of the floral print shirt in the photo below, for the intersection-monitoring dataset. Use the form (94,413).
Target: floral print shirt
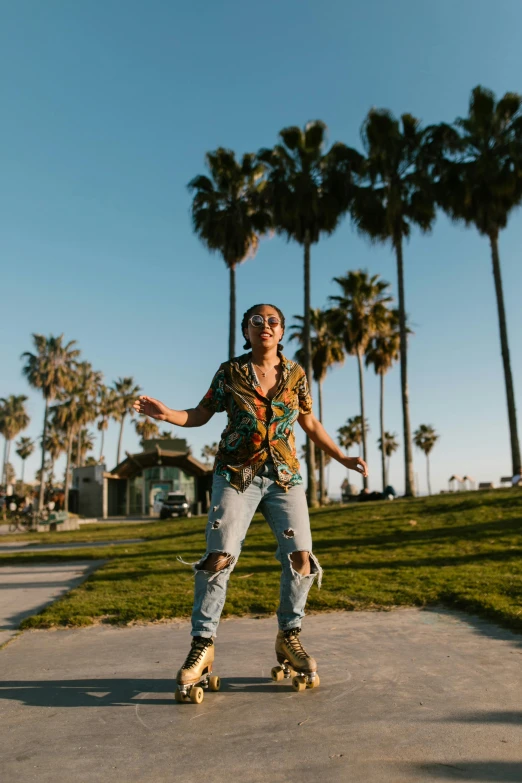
(258,428)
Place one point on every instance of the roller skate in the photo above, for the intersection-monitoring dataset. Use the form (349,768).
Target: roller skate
(196,672)
(294,661)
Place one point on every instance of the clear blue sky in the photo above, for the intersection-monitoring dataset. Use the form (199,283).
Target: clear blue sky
(108,109)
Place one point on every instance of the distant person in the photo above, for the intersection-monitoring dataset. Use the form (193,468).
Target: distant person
(263,394)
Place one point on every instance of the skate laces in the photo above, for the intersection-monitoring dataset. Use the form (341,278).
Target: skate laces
(197,651)
(294,642)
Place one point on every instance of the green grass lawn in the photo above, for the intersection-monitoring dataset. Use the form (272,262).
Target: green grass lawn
(462,550)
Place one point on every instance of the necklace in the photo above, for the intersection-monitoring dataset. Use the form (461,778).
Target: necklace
(260,370)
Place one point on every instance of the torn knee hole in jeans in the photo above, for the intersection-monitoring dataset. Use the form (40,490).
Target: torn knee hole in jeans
(288,533)
(216,524)
(223,561)
(315,569)
(219,561)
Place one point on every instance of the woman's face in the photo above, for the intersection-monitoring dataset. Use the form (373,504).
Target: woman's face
(267,335)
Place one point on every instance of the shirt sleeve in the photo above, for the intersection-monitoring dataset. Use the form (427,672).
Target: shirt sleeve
(214,399)
(303,395)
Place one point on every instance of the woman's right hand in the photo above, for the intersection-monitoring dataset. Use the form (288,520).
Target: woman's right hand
(151,407)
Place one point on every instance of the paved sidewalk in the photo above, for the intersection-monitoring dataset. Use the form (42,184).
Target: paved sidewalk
(406,697)
(25,590)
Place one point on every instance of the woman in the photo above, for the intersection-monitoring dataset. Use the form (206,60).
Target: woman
(256,467)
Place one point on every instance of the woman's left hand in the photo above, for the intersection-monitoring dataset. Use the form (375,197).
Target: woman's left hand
(357,464)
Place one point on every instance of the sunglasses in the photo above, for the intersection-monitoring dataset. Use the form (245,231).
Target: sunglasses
(258,320)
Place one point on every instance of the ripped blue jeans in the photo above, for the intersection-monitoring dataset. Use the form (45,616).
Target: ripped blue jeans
(230,516)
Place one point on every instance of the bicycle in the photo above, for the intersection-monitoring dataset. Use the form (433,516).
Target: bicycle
(20,524)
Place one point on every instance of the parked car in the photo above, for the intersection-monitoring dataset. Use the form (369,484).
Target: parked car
(175,505)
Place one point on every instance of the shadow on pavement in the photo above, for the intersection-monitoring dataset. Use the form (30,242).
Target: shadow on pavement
(478,771)
(486,717)
(117,693)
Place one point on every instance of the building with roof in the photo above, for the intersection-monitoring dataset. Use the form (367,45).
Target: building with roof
(133,486)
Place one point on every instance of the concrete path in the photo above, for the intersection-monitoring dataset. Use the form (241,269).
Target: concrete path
(407,696)
(25,590)
(17,547)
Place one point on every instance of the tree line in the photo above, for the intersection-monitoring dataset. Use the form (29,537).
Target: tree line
(75,397)
(302,189)
(360,323)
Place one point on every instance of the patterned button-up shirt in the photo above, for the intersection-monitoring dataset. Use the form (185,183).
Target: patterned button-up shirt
(258,428)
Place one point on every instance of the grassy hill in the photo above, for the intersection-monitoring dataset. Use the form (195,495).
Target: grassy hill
(462,550)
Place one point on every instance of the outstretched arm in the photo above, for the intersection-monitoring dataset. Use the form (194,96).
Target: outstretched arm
(192,417)
(317,433)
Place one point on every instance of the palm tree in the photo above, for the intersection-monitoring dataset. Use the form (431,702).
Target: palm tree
(480,184)
(10,474)
(24,449)
(327,350)
(346,437)
(40,475)
(395,194)
(229,216)
(86,384)
(106,401)
(390,447)
(86,443)
(208,452)
(13,420)
(360,314)
(126,393)
(146,429)
(382,352)
(351,433)
(302,188)
(69,416)
(55,443)
(49,369)
(425,438)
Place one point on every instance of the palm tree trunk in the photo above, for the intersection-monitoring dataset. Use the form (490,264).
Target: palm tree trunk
(67,471)
(232,323)
(383,454)
(504,345)
(361,394)
(79,449)
(322,493)
(102,440)
(387,470)
(7,453)
(4,479)
(409,482)
(42,476)
(120,439)
(4,461)
(23,470)
(428,473)
(307,348)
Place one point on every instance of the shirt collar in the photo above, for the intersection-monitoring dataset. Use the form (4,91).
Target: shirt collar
(247,368)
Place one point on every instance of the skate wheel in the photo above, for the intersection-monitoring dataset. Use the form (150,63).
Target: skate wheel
(196,694)
(298,683)
(179,696)
(214,683)
(277,674)
(315,683)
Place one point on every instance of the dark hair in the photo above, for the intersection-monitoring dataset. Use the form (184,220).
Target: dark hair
(246,316)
